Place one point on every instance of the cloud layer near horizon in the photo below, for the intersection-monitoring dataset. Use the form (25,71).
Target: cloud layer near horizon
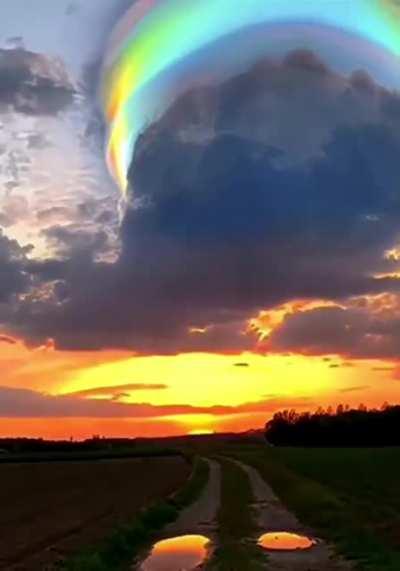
(24,403)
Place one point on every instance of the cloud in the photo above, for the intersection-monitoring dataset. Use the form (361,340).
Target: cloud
(67,239)
(383,369)
(355,389)
(72,9)
(47,162)
(272,205)
(7,339)
(32,83)
(24,403)
(359,332)
(14,208)
(14,279)
(117,392)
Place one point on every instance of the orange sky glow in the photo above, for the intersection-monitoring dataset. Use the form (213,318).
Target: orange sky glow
(189,393)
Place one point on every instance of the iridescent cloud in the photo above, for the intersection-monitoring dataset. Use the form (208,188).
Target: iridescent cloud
(159,50)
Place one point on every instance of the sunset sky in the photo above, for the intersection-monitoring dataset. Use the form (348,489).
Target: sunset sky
(192,240)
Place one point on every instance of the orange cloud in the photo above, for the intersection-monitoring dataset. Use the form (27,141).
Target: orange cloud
(267,320)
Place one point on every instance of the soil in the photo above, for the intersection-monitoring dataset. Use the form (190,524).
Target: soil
(51,510)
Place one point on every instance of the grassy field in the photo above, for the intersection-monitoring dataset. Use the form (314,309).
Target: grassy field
(235,521)
(49,510)
(350,496)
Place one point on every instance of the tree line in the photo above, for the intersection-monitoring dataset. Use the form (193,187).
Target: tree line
(341,427)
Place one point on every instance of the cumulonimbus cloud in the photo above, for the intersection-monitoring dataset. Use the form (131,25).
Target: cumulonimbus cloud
(250,222)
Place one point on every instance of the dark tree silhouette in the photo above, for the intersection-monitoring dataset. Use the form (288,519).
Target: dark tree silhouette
(344,427)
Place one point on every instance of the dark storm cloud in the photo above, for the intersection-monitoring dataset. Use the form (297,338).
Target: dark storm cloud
(67,240)
(33,83)
(240,203)
(358,333)
(13,276)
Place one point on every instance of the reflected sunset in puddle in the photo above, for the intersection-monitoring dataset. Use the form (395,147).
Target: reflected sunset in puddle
(183,553)
(285,541)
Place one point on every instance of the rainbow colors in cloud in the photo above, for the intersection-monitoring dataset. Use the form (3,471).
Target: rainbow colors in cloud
(161,48)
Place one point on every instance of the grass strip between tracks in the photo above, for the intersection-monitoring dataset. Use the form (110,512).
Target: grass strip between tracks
(237,523)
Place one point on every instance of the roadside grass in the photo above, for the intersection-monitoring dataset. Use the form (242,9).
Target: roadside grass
(119,551)
(348,496)
(236,521)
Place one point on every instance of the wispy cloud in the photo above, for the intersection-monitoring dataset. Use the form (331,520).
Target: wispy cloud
(24,403)
(355,389)
(7,339)
(117,392)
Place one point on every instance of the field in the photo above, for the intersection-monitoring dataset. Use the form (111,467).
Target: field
(73,511)
(51,509)
(350,496)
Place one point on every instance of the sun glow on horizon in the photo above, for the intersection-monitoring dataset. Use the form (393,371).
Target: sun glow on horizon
(185,373)
(196,392)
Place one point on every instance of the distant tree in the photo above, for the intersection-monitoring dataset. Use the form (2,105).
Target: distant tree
(345,427)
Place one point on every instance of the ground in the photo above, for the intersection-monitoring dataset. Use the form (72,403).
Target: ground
(272,515)
(235,508)
(347,498)
(49,510)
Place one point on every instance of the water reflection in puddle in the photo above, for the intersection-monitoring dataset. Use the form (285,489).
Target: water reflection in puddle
(183,553)
(285,541)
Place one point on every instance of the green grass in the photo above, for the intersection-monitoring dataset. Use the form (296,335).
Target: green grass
(120,549)
(236,522)
(350,496)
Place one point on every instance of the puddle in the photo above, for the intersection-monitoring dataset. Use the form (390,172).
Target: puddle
(183,553)
(285,541)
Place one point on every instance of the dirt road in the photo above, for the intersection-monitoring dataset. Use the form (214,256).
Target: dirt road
(273,516)
(200,517)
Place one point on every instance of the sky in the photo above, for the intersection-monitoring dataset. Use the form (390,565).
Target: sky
(199,226)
